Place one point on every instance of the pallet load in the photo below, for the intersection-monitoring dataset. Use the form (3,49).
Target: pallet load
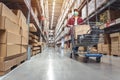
(10,40)
(34,40)
(99,48)
(103,48)
(106,49)
(115,44)
(23,30)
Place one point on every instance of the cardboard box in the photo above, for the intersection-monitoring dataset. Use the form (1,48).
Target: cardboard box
(9,38)
(99,47)
(9,50)
(24,41)
(24,33)
(22,19)
(115,35)
(6,24)
(106,48)
(115,52)
(5,11)
(33,28)
(81,29)
(36,48)
(24,26)
(24,48)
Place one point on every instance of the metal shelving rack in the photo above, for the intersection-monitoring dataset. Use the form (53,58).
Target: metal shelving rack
(108,29)
(63,18)
(26,7)
(35,19)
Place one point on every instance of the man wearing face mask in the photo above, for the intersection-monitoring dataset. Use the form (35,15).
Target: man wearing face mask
(73,21)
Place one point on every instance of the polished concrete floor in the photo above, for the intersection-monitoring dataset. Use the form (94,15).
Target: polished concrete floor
(51,65)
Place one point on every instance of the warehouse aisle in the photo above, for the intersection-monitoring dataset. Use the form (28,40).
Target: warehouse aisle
(51,66)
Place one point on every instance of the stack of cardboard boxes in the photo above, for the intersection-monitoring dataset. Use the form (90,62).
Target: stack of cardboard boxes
(11,33)
(115,44)
(23,30)
(103,48)
(34,40)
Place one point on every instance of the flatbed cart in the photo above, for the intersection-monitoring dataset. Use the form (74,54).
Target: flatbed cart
(86,40)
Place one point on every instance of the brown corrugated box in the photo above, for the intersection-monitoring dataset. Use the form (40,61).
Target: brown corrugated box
(5,11)
(6,24)
(24,41)
(7,37)
(114,34)
(23,48)
(81,29)
(106,48)
(24,34)
(32,28)
(7,50)
(22,20)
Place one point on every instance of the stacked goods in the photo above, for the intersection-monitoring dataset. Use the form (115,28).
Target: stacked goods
(106,49)
(10,40)
(99,48)
(6,12)
(36,46)
(91,7)
(84,12)
(99,3)
(81,29)
(115,44)
(23,30)
(32,28)
(103,48)
(109,15)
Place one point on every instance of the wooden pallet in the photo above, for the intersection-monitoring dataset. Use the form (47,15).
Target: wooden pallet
(8,65)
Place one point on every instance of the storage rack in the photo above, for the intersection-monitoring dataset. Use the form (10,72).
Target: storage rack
(113,27)
(24,6)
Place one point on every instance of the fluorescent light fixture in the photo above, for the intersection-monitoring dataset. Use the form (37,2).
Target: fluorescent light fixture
(53,10)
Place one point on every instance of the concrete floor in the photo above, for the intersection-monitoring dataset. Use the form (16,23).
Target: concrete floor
(50,65)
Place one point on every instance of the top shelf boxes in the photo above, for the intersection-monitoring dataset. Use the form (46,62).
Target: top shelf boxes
(5,11)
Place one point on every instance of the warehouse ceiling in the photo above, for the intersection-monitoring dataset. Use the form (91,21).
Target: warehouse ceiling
(57,11)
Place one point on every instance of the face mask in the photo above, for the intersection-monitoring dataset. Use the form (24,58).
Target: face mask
(76,13)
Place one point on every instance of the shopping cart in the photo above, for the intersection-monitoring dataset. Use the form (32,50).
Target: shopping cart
(86,40)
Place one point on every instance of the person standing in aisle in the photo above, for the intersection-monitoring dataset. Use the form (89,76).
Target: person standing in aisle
(73,21)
